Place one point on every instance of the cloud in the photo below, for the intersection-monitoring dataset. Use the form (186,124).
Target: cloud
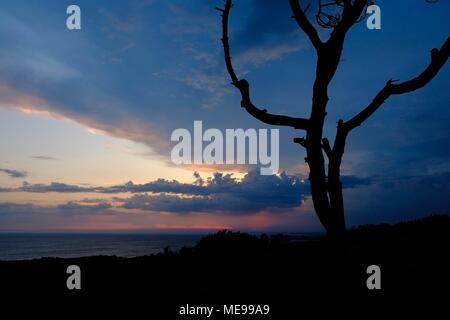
(14,173)
(48,68)
(269,51)
(70,208)
(253,43)
(52,187)
(118,22)
(157,186)
(391,199)
(109,103)
(7,208)
(252,184)
(349,182)
(43,158)
(221,193)
(118,123)
(40,75)
(259,39)
(224,194)
(184,22)
(73,206)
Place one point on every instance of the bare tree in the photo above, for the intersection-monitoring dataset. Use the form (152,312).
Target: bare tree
(324,176)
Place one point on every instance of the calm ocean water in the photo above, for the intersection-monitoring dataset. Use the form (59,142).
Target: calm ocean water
(30,246)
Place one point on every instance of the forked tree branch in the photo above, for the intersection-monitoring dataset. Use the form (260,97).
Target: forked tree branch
(243,86)
(304,24)
(438,59)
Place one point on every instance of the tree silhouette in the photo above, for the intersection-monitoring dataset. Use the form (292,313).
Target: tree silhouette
(324,176)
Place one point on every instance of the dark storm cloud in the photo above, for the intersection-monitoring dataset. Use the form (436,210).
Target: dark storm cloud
(224,194)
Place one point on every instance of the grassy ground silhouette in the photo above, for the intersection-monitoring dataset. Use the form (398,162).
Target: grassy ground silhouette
(232,266)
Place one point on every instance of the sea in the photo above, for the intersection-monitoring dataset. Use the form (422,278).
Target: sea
(22,246)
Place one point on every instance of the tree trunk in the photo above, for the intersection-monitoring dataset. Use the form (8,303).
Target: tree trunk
(326,187)
(328,200)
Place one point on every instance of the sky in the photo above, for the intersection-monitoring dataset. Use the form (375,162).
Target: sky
(86,116)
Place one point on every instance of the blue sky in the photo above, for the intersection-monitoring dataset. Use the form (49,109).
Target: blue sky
(95,108)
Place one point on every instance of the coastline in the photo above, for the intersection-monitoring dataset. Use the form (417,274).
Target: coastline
(412,257)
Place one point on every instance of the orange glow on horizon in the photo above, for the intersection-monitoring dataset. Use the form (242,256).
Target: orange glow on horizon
(190,228)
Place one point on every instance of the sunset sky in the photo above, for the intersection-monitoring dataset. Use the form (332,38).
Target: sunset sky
(86,116)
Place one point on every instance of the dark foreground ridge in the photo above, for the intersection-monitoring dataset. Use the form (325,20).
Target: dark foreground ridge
(413,257)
